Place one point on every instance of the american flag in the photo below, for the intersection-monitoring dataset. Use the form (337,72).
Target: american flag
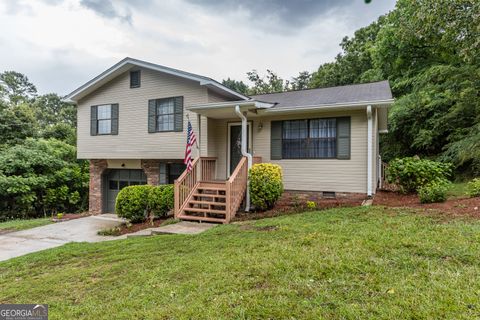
(191,141)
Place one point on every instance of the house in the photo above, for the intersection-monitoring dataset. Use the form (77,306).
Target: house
(132,122)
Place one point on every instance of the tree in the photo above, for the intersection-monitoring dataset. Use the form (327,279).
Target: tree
(17,123)
(15,88)
(273,83)
(301,82)
(238,86)
(39,175)
(51,109)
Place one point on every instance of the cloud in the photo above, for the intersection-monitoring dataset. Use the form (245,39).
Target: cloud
(284,14)
(105,8)
(61,44)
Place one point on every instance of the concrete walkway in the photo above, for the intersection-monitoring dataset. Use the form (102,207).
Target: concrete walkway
(19,243)
(182,227)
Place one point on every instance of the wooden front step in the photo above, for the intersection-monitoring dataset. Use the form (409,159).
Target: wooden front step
(204,210)
(202,219)
(212,203)
(207,203)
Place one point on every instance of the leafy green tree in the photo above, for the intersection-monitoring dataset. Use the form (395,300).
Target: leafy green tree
(301,81)
(39,176)
(17,122)
(16,88)
(238,86)
(51,109)
(272,83)
(355,63)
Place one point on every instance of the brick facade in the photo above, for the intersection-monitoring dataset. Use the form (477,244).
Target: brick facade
(95,203)
(151,168)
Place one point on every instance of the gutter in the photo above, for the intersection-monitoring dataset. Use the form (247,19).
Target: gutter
(245,153)
(361,104)
(369,151)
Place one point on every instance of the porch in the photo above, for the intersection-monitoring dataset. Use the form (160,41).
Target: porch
(217,186)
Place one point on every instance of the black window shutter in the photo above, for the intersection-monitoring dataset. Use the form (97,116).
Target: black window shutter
(114,128)
(178,113)
(93,120)
(343,138)
(151,116)
(276,140)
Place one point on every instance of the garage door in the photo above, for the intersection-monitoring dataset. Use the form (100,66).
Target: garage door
(118,179)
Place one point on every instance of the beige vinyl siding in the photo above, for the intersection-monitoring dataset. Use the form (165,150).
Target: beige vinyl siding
(310,174)
(133,140)
(215,97)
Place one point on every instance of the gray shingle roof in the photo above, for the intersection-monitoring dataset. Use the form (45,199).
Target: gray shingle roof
(333,95)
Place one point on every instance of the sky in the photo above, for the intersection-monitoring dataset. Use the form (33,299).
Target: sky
(61,44)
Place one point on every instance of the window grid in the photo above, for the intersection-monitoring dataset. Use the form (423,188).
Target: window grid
(309,139)
(165,115)
(104,119)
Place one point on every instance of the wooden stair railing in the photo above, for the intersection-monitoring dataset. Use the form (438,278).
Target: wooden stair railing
(236,187)
(199,197)
(186,184)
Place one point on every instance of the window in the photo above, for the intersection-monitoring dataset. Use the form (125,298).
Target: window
(165,115)
(309,139)
(135,79)
(170,171)
(104,119)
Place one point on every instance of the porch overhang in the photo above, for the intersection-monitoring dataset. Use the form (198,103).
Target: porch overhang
(226,109)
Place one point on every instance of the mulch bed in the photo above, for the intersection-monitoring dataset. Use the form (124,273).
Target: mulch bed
(452,207)
(131,228)
(285,208)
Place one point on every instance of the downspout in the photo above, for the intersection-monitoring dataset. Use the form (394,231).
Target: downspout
(244,152)
(369,151)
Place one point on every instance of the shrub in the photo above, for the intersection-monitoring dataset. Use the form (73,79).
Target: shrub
(161,200)
(266,185)
(311,205)
(132,203)
(435,191)
(412,173)
(473,188)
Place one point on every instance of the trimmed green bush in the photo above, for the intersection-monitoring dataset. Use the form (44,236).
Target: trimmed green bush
(434,192)
(132,203)
(473,188)
(161,200)
(266,185)
(412,173)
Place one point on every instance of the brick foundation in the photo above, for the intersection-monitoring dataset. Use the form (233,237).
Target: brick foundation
(95,201)
(151,169)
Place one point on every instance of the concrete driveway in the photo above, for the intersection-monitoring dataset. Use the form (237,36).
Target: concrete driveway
(19,243)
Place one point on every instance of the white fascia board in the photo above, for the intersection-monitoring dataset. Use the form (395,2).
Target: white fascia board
(359,104)
(227,104)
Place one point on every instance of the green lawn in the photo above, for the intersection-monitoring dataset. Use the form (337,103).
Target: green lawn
(368,263)
(16,225)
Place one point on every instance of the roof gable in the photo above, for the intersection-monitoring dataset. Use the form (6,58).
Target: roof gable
(127,63)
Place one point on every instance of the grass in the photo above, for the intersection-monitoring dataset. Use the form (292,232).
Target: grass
(458,190)
(351,263)
(17,225)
